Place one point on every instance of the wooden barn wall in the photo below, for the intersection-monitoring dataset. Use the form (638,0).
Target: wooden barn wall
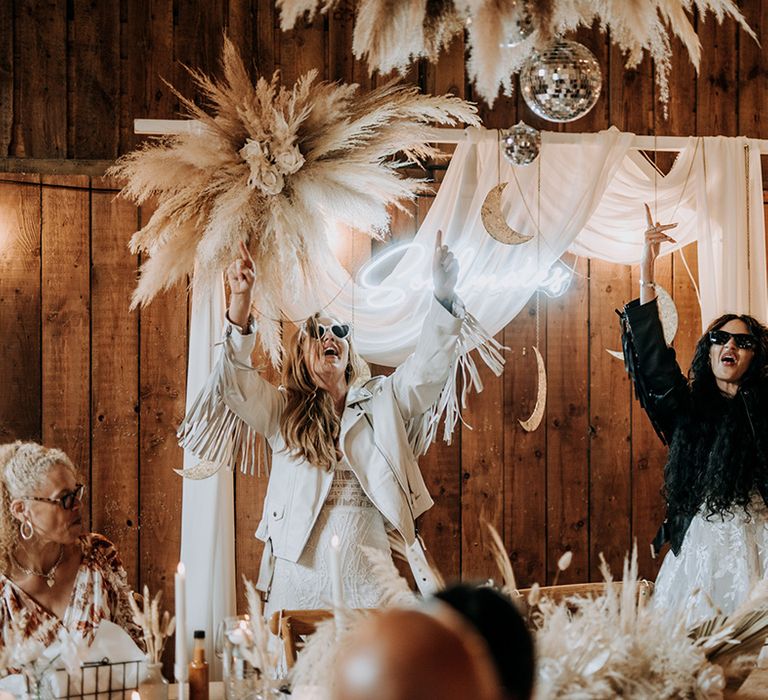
(80,371)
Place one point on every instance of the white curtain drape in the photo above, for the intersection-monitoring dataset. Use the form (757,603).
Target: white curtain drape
(586,197)
(207,518)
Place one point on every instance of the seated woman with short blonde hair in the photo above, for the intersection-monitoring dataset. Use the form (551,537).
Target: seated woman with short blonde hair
(51,574)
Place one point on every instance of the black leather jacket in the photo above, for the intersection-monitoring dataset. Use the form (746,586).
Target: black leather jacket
(663,392)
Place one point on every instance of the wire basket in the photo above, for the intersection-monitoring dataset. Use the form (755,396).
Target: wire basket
(97,680)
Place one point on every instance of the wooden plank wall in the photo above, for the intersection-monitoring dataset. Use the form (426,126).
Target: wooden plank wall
(80,371)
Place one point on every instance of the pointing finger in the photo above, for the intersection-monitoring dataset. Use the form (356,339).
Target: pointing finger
(648,215)
(246,255)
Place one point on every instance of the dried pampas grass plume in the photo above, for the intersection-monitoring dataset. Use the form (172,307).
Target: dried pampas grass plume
(390,34)
(272,166)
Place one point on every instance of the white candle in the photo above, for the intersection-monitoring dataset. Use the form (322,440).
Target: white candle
(337,586)
(135,695)
(180,667)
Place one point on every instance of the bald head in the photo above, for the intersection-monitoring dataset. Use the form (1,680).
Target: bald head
(410,655)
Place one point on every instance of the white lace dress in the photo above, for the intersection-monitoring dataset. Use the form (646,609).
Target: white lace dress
(348,513)
(720,560)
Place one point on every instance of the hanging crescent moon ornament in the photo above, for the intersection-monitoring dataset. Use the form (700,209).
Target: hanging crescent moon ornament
(494,220)
(202,470)
(534,421)
(668,316)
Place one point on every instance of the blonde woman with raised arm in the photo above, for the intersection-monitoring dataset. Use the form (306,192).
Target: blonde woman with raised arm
(343,444)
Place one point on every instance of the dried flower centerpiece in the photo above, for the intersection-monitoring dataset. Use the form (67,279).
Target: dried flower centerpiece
(608,646)
(156,628)
(273,166)
(258,651)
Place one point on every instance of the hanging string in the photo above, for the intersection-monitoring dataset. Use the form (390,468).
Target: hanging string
(538,242)
(656,172)
(537,220)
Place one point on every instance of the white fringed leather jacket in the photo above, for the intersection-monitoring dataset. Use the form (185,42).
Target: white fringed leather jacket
(377,429)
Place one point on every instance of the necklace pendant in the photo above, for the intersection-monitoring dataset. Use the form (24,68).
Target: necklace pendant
(50,581)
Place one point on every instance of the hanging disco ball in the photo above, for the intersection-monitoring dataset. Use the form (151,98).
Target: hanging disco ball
(562,82)
(521,144)
(520,24)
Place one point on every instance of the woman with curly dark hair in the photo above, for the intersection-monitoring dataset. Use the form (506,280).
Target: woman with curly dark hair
(716,425)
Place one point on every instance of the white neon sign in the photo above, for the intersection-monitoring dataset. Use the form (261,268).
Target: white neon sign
(413,267)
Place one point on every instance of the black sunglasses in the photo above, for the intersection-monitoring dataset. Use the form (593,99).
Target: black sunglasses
(66,500)
(745,341)
(318,330)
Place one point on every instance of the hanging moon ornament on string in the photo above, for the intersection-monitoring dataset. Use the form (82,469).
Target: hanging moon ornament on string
(494,220)
(530,424)
(667,315)
(202,470)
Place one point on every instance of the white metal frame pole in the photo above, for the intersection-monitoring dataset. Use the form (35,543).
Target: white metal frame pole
(160,127)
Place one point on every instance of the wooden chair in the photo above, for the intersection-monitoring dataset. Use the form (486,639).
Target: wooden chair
(569,591)
(292,626)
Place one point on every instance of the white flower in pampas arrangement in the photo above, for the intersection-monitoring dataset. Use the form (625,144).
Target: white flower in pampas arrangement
(271,165)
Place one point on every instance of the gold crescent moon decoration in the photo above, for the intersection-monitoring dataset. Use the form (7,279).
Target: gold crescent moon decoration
(202,470)
(668,315)
(534,421)
(494,220)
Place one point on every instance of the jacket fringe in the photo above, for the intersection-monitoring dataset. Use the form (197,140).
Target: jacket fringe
(213,432)
(472,337)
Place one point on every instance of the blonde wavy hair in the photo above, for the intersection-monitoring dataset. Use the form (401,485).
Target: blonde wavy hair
(24,467)
(309,423)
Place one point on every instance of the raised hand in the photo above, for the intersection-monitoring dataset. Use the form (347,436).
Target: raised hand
(445,272)
(240,277)
(240,273)
(654,237)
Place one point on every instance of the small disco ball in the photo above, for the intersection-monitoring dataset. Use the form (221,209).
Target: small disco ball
(562,82)
(520,24)
(521,144)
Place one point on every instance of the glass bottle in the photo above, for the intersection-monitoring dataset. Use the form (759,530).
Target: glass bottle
(198,669)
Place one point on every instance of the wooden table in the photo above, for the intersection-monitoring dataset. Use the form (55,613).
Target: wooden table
(754,688)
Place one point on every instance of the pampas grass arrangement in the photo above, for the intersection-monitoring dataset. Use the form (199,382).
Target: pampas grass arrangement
(256,647)
(272,166)
(155,627)
(613,645)
(390,34)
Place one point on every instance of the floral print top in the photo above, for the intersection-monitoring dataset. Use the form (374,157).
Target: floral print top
(100,593)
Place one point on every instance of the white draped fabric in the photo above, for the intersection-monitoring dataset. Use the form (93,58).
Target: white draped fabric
(585,197)
(207,517)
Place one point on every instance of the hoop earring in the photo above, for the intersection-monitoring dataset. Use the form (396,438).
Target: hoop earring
(26,530)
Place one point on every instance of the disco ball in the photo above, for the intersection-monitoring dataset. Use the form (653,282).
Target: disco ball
(520,24)
(521,144)
(562,82)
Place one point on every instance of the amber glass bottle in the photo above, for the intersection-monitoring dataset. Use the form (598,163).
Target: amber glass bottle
(198,669)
